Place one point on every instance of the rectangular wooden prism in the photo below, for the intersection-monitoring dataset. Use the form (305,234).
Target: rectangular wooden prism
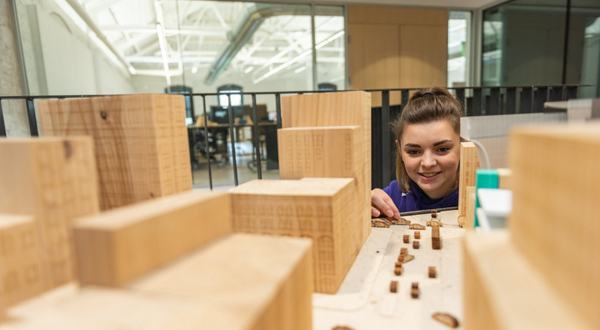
(320,209)
(431,272)
(406,238)
(21,274)
(326,152)
(503,289)
(469,164)
(121,245)
(337,109)
(417,234)
(222,286)
(398,270)
(394,286)
(415,244)
(54,181)
(554,202)
(142,149)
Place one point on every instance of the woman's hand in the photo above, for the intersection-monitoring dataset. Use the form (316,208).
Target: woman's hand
(382,203)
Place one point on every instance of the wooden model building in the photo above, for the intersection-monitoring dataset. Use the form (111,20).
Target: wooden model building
(141,142)
(320,209)
(544,273)
(52,181)
(344,109)
(469,164)
(120,245)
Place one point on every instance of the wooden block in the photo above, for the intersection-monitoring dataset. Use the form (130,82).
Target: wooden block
(398,270)
(435,232)
(53,180)
(552,208)
(403,251)
(434,214)
(417,234)
(434,223)
(141,141)
(504,175)
(470,218)
(414,290)
(404,258)
(21,274)
(406,238)
(446,319)
(415,244)
(398,264)
(417,226)
(469,164)
(503,290)
(336,109)
(394,286)
(315,208)
(223,286)
(326,152)
(121,245)
(431,272)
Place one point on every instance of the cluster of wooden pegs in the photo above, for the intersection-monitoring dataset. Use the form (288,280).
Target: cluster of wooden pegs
(404,257)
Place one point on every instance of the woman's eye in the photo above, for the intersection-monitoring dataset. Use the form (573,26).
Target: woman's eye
(412,152)
(444,149)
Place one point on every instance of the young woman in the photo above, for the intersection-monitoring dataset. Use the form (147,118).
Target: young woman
(427,159)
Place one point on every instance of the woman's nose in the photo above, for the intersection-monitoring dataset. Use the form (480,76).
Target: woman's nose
(428,160)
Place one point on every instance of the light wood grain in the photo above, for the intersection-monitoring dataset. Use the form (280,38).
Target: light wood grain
(503,290)
(469,164)
(240,282)
(141,142)
(397,15)
(21,275)
(268,279)
(470,217)
(121,245)
(338,109)
(423,60)
(320,209)
(504,178)
(53,180)
(555,209)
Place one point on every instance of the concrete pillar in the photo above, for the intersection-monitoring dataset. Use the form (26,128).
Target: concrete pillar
(12,81)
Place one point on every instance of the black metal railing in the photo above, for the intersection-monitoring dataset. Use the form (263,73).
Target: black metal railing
(476,101)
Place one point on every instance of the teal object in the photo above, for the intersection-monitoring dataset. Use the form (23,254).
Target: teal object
(484,179)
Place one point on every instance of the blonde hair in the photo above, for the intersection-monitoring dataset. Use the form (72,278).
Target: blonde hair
(424,106)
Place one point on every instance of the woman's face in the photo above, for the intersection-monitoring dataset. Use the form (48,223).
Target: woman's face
(431,153)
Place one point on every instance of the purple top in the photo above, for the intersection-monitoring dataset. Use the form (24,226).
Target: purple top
(417,200)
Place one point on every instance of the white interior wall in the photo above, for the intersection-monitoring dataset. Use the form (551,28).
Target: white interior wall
(61,59)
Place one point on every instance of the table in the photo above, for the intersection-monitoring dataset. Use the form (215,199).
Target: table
(364,300)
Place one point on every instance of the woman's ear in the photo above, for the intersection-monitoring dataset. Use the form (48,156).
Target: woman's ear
(399,151)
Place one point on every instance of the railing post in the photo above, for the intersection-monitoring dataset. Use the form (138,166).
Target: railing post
(207,144)
(232,132)
(278,110)
(2,125)
(494,105)
(571,92)
(256,137)
(477,102)
(33,129)
(385,138)
(511,101)
(526,98)
(555,93)
(541,96)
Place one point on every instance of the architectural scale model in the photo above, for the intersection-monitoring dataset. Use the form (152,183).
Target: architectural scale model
(141,142)
(344,109)
(511,278)
(319,209)
(52,181)
(469,164)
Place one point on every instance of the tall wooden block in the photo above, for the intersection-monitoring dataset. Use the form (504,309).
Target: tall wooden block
(53,180)
(320,209)
(503,290)
(141,142)
(336,109)
(470,217)
(121,245)
(244,282)
(555,209)
(469,164)
(325,152)
(504,178)
(20,262)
